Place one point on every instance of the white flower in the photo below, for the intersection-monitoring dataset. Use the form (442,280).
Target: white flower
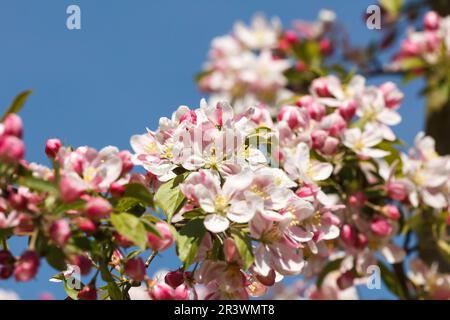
(373,110)
(220,203)
(301,167)
(362,143)
(260,35)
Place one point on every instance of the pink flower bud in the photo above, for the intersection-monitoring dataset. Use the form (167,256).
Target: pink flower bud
(135,269)
(380,227)
(127,164)
(326,47)
(330,146)
(160,243)
(162,291)
(52,147)
(60,232)
(6,264)
(27,266)
(393,97)
(86,225)
(391,211)
(410,48)
(13,125)
(88,292)
(17,200)
(334,124)
(397,191)
(347,234)
(174,278)
(117,189)
(361,241)
(304,101)
(69,190)
(122,241)
(290,36)
(432,41)
(230,250)
(83,263)
(347,110)
(98,208)
(357,200)
(300,66)
(12,149)
(431,21)
(293,116)
(345,280)
(320,87)
(318,138)
(316,110)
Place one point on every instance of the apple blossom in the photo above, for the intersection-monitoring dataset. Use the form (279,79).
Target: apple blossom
(52,147)
(98,208)
(60,232)
(26,266)
(135,269)
(164,240)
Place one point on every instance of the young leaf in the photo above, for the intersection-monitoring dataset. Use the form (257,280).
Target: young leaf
(188,240)
(56,258)
(331,266)
(39,185)
(391,282)
(130,205)
(244,246)
(138,191)
(169,196)
(131,227)
(18,103)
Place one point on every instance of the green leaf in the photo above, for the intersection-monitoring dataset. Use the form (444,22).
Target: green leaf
(188,241)
(150,226)
(331,266)
(114,291)
(77,205)
(411,63)
(244,246)
(444,249)
(131,227)
(138,191)
(18,103)
(390,280)
(56,258)
(169,196)
(38,185)
(394,153)
(131,205)
(392,6)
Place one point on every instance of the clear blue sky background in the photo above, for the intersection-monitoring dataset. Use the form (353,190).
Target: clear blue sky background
(132,63)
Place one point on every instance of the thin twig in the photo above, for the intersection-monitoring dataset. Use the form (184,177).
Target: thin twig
(150,258)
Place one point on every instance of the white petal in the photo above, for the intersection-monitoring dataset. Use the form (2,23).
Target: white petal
(393,253)
(216,223)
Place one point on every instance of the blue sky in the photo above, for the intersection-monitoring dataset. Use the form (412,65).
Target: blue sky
(130,64)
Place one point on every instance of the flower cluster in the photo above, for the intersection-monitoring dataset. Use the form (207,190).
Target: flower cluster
(274,176)
(427,47)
